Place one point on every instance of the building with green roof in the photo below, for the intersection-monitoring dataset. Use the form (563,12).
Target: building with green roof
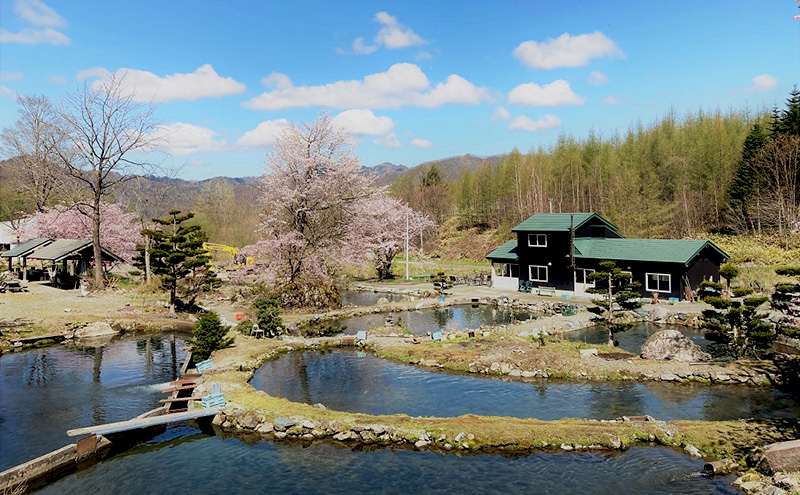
(555,252)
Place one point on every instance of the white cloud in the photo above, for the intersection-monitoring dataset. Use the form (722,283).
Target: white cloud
(392,36)
(8,92)
(500,113)
(597,78)
(554,94)
(523,123)
(613,100)
(30,36)
(57,79)
(421,143)
(37,13)
(91,73)
(403,85)
(180,138)
(763,83)
(146,86)
(388,141)
(423,56)
(8,75)
(566,51)
(363,122)
(263,135)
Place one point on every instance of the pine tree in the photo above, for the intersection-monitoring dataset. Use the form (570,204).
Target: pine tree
(788,120)
(617,289)
(738,327)
(177,255)
(743,184)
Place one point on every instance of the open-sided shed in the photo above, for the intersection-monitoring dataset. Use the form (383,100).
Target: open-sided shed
(24,251)
(76,256)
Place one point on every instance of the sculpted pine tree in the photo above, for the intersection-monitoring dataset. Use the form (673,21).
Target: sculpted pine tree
(178,257)
(617,289)
(738,327)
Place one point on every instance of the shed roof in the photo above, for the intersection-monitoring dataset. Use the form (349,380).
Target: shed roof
(506,252)
(63,248)
(558,222)
(654,250)
(25,248)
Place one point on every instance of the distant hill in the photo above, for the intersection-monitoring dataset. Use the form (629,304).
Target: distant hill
(384,173)
(454,166)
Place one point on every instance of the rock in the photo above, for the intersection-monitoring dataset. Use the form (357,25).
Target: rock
(528,374)
(447,446)
(656,314)
(494,367)
(280,435)
(673,345)
(516,373)
(615,442)
(460,437)
(505,368)
(265,428)
(470,437)
(692,450)
(308,425)
(724,466)
(218,419)
(787,481)
(420,444)
(95,329)
(669,377)
(342,436)
(249,420)
(319,406)
(783,456)
(283,424)
(566,447)
(585,353)
(383,301)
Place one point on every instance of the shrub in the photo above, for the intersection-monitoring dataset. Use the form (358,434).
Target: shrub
(268,317)
(742,291)
(209,336)
(709,289)
(729,271)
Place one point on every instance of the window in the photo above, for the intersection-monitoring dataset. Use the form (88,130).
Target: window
(629,274)
(658,282)
(582,276)
(506,269)
(537,273)
(537,240)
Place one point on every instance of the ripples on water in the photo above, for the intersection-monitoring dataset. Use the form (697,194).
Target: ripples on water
(44,392)
(196,464)
(359,382)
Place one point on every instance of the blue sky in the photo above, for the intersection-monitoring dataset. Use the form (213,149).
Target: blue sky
(414,81)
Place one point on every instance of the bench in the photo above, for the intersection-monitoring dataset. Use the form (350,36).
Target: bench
(546,291)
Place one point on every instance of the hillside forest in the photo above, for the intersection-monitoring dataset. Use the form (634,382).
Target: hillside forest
(734,172)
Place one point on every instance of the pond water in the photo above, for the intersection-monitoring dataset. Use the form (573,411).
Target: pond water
(197,463)
(365,298)
(633,339)
(453,318)
(359,382)
(44,392)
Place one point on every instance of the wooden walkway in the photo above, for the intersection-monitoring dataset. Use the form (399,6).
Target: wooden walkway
(136,423)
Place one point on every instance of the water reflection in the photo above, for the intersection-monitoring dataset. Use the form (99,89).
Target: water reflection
(344,381)
(453,318)
(44,392)
(217,465)
(633,339)
(363,298)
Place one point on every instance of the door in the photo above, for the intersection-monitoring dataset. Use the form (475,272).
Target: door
(581,281)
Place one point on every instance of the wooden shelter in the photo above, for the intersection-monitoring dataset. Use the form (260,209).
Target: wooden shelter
(74,256)
(24,251)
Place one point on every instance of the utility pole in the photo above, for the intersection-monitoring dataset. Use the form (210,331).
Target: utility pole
(407,277)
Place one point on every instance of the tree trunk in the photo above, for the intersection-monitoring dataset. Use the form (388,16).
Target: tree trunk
(610,313)
(99,283)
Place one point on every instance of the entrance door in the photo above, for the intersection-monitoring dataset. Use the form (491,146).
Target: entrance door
(581,281)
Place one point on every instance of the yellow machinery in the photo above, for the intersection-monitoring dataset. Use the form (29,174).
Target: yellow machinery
(210,246)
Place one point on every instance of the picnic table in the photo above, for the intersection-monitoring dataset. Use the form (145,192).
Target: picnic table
(12,286)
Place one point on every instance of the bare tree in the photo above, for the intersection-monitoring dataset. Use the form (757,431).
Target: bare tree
(104,127)
(34,142)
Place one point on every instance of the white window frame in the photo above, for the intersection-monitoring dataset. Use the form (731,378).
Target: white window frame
(630,275)
(537,236)
(530,273)
(647,282)
(586,271)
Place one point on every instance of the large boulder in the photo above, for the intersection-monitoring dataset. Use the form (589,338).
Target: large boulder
(95,329)
(783,456)
(674,346)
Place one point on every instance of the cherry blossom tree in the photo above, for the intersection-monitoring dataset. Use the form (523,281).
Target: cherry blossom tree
(380,228)
(118,232)
(311,196)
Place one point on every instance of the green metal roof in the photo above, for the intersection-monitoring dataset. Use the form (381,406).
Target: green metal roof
(558,222)
(25,248)
(506,252)
(654,250)
(63,248)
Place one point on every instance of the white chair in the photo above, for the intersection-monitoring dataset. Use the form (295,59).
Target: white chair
(256,331)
